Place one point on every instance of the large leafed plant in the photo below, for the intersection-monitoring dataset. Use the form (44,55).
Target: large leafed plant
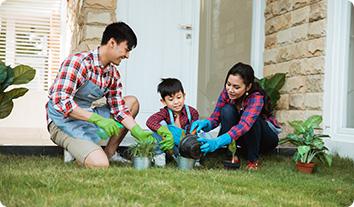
(309,145)
(21,74)
(272,85)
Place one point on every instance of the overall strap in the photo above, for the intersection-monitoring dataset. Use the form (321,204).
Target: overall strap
(171,116)
(188,114)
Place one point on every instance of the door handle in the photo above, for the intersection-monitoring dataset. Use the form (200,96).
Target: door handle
(186,26)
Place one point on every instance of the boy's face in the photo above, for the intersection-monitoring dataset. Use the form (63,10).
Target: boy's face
(174,102)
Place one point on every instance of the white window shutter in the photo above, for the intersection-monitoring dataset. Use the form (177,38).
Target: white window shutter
(30,34)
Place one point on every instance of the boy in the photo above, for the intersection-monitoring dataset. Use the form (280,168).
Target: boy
(171,122)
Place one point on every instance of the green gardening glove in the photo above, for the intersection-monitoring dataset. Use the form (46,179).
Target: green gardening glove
(141,134)
(167,142)
(108,125)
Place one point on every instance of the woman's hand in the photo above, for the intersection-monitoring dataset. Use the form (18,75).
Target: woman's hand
(204,125)
(210,145)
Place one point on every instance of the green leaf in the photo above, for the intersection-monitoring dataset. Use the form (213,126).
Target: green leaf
(6,106)
(3,72)
(318,144)
(298,126)
(9,79)
(303,150)
(328,158)
(313,122)
(23,74)
(15,93)
(276,81)
(232,147)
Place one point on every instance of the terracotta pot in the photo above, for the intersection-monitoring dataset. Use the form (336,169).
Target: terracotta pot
(305,167)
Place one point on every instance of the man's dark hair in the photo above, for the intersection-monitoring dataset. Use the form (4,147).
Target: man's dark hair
(120,32)
(169,87)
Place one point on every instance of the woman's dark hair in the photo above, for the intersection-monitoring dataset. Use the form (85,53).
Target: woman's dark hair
(247,74)
(169,87)
(120,32)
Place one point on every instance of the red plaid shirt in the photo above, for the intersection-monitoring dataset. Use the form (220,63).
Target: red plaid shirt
(75,71)
(251,107)
(154,120)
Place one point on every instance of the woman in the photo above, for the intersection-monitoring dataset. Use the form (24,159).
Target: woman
(245,114)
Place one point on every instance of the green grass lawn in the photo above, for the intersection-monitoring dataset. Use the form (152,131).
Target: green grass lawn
(47,181)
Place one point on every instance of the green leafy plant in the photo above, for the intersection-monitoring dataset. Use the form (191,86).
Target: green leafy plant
(21,74)
(309,145)
(142,149)
(233,148)
(272,85)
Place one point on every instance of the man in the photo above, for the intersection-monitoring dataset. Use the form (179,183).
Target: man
(84,78)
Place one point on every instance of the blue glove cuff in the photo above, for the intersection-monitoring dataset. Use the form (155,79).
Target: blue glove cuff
(223,140)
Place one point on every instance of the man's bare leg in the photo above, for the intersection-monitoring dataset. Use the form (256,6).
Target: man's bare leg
(133,105)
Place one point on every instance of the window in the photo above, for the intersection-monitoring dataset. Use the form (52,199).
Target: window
(30,34)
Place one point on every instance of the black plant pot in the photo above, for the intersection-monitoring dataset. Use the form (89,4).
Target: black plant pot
(189,147)
(228,165)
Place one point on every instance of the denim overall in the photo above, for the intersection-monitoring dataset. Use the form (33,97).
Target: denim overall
(85,95)
(177,132)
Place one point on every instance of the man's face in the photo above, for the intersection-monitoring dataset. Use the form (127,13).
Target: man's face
(174,102)
(118,51)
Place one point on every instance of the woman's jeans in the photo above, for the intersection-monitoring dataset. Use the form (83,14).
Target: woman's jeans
(259,139)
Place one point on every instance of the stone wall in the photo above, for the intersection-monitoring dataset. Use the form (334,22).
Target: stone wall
(88,18)
(295,45)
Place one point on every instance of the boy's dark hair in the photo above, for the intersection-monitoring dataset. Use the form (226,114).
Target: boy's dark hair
(120,31)
(169,87)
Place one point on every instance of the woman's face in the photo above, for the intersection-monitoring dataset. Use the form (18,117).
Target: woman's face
(235,87)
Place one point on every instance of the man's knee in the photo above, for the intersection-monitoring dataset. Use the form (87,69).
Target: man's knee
(96,159)
(133,104)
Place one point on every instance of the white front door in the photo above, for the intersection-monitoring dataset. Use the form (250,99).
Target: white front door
(167,33)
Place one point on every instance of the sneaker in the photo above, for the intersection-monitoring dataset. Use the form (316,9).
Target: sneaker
(118,158)
(160,160)
(68,157)
(197,163)
(253,166)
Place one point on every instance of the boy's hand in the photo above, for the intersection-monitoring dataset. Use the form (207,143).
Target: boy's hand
(141,134)
(108,125)
(167,142)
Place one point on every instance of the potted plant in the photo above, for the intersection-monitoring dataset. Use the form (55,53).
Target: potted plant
(234,163)
(309,145)
(21,74)
(189,151)
(272,85)
(142,153)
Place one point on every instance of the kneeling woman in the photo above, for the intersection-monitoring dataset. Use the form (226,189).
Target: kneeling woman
(245,114)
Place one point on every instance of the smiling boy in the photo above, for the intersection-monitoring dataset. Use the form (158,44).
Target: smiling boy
(172,121)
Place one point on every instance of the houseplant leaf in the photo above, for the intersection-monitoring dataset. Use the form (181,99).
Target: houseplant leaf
(3,72)
(9,79)
(15,93)
(6,106)
(313,121)
(23,74)
(298,126)
(276,81)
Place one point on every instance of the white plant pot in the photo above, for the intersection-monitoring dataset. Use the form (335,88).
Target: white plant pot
(185,163)
(141,163)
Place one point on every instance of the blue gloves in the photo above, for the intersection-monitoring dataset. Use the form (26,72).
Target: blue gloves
(210,145)
(204,125)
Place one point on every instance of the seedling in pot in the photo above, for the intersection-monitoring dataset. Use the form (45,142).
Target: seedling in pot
(235,162)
